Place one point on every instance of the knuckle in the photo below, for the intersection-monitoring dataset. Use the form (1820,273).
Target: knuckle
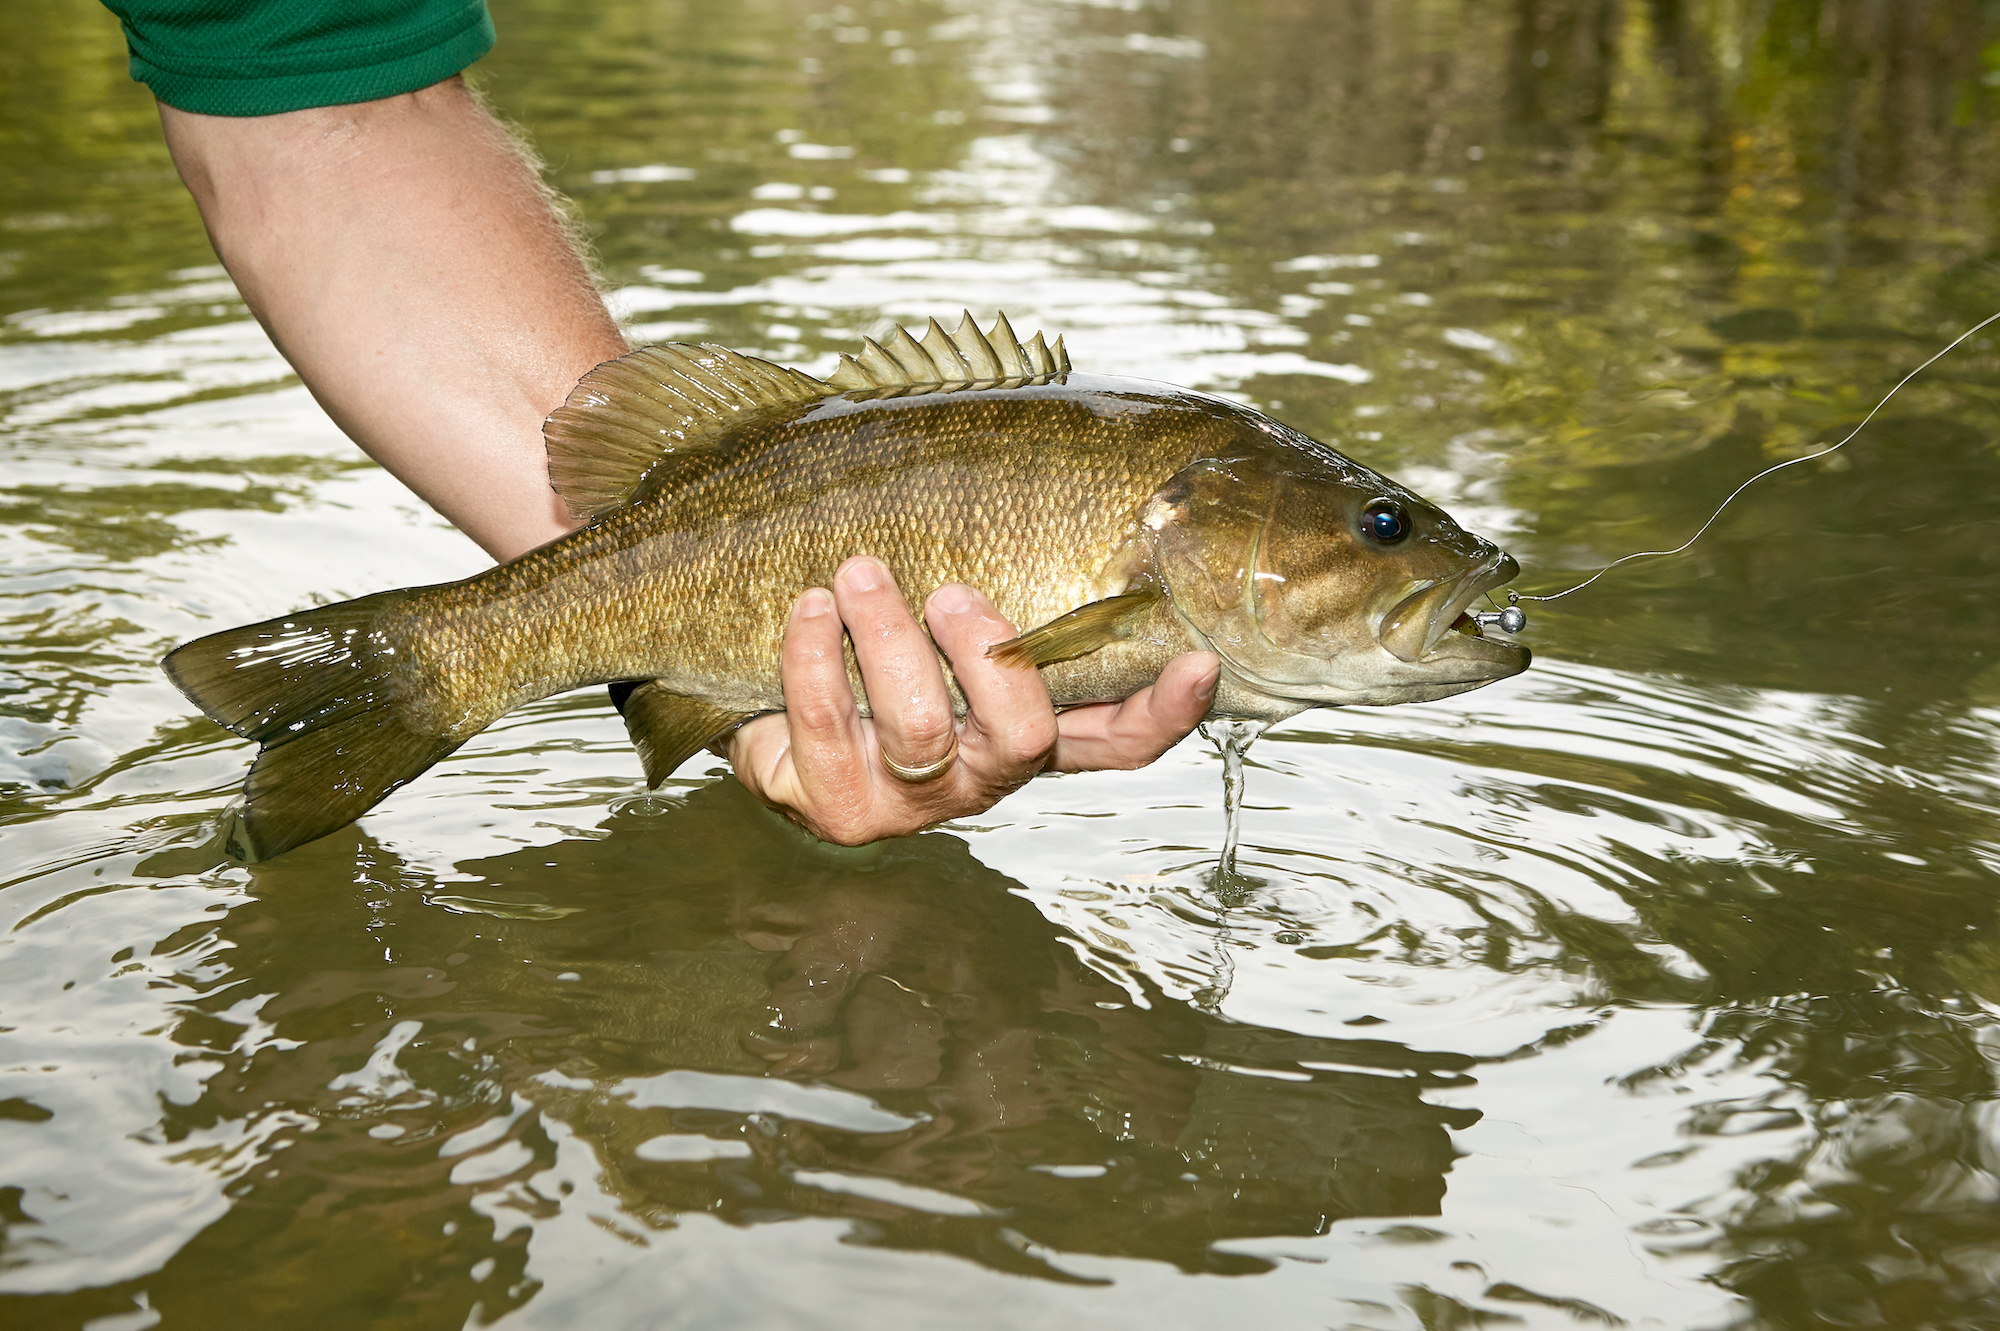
(1030,742)
(842,834)
(819,715)
(801,651)
(890,621)
(859,823)
(927,727)
(840,814)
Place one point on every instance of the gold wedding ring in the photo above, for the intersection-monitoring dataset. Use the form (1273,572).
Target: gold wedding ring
(929,771)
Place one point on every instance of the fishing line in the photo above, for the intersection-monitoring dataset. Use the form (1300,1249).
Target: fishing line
(1513,619)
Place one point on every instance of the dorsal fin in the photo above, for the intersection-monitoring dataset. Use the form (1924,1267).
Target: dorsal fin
(627,414)
(950,360)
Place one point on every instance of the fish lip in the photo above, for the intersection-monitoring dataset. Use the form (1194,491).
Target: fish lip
(1437,605)
(1472,584)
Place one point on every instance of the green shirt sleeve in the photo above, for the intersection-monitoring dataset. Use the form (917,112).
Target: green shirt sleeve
(260,57)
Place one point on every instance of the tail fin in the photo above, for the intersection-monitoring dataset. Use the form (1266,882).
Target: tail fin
(323,692)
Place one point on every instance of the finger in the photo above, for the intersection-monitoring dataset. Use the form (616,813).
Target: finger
(1010,724)
(907,699)
(1144,726)
(823,768)
(760,751)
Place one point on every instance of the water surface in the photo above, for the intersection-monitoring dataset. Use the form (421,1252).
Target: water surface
(1653,987)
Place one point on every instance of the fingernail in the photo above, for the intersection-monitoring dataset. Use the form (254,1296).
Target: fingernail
(863,574)
(813,602)
(952,599)
(1205,682)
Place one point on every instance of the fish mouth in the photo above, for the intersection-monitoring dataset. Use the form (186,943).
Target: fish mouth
(1415,628)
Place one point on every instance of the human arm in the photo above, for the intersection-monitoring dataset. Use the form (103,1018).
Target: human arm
(406,260)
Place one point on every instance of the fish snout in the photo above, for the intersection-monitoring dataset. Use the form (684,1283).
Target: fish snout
(1415,626)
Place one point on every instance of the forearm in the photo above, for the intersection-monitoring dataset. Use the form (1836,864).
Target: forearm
(403,257)
(405,261)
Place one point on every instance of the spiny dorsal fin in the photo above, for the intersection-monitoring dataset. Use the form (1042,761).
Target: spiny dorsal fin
(950,360)
(627,414)
(1080,632)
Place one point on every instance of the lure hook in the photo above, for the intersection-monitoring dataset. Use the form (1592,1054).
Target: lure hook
(1511,620)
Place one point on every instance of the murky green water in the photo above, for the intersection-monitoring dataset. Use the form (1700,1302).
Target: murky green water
(1656,986)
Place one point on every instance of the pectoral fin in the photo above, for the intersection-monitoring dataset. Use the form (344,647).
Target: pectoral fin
(668,728)
(1080,632)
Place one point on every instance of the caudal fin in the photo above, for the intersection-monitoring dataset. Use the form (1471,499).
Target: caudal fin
(323,691)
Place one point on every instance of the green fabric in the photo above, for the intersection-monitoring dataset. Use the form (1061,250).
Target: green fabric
(260,57)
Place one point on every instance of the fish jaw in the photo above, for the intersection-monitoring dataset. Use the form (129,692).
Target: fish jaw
(1417,628)
(1268,683)
(1267,567)
(1428,647)
(1422,647)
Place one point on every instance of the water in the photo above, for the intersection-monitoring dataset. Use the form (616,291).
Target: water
(1232,738)
(1657,984)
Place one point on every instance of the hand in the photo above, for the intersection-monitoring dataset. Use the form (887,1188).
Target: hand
(821,763)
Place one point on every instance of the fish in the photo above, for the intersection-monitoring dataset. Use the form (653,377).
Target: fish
(1124,521)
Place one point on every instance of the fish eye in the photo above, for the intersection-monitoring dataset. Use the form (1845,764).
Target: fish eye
(1385,522)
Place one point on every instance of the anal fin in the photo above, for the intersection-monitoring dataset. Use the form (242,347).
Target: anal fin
(669,728)
(1080,632)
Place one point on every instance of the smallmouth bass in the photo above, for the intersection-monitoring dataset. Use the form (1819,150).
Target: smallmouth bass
(1127,521)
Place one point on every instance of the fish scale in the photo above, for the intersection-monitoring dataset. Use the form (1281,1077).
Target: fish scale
(1125,521)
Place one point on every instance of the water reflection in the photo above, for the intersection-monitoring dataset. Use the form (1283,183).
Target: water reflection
(1668,288)
(763,1030)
